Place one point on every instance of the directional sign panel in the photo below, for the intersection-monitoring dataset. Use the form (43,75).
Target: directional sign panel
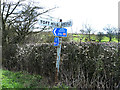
(44,22)
(61,32)
(67,24)
(54,24)
(56,41)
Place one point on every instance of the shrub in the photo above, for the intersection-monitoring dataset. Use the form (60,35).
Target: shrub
(85,65)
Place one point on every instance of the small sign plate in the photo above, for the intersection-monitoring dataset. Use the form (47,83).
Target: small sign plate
(56,41)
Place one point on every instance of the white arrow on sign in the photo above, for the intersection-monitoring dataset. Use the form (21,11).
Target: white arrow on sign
(54,31)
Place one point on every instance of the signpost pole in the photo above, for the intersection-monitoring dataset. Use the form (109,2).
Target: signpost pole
(58,56)
(59,32)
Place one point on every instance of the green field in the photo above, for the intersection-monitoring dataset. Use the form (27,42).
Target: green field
(94,37)
(48,37)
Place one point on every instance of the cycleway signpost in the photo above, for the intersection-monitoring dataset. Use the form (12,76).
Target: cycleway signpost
(58,32)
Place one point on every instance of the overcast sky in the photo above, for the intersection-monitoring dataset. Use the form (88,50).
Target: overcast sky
(97,13)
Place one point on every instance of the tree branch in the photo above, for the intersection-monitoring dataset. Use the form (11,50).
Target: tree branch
(14,8)
(3,11)
(7,12)
(47,10)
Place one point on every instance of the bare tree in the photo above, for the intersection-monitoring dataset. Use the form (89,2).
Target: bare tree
(82,36)
(18,18)
(100,36)
(87,29)
(0,26)
(110,31)
(119,35)
(0,40)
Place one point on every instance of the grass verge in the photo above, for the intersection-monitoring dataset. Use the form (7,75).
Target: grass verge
(19,79)
(25,80)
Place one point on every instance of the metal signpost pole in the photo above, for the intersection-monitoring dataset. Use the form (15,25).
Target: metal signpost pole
(59,32)
(58,56)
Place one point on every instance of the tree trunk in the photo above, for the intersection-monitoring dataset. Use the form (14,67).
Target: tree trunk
(89,37)
(110,38)
(0,38)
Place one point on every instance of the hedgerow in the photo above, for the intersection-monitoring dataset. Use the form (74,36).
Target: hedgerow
(84,65)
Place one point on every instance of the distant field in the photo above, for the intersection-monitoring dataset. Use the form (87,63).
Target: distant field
(76,37)
(93,37)
(49,37)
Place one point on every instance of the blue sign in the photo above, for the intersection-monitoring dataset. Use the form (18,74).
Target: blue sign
(61,32)
(56,41)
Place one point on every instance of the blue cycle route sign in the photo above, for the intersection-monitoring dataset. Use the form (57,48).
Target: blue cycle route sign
(61,32)
(56,41)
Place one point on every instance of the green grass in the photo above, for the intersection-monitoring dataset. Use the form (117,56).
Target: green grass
(25,80)
(19,79)
(0,78)
(105,39)
(115,40)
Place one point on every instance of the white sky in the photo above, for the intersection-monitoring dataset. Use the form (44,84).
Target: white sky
(97,13)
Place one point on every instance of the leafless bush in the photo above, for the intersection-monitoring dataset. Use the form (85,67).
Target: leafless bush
(84,65)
